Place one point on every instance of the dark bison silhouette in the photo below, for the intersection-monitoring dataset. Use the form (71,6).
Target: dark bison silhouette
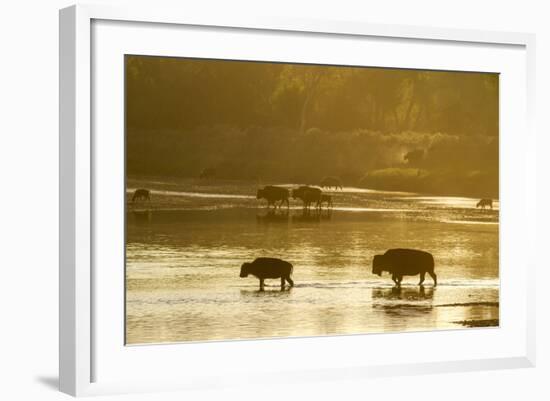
(485,203)
(414,157)
(331,182)
(308,195)
(326,199)
(208,172)
(263,268)
(274,194)
(141,194)
(405,262)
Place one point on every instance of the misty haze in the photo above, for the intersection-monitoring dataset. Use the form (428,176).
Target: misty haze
(283,200)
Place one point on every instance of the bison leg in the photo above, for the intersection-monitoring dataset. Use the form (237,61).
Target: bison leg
(397,279)
(289,281)
(282,283)
(422,277)
(434,277)
(394,278)
(261,284)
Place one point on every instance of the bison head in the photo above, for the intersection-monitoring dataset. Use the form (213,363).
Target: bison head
(260,194)
(244,269)
(378,264)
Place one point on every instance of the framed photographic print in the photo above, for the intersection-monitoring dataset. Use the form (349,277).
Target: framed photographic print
(344,200)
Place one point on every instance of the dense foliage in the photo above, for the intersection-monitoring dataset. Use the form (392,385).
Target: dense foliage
(422,131)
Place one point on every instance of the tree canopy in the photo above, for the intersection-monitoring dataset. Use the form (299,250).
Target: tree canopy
(426,131)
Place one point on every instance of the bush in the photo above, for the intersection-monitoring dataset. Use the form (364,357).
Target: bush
(407,161)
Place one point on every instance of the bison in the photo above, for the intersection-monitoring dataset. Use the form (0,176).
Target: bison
(263,268)
(405,262)
(207,173)
(308,195)
(326,198)
(485,203)
(274,194)
(331,182)
(141,194)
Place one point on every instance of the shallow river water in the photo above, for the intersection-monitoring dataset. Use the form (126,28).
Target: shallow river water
(184,250)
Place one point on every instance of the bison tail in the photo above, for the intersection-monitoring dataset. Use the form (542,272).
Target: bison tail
(431,267)
(434,277)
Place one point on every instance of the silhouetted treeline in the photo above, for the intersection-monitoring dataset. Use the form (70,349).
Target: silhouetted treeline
(382,128)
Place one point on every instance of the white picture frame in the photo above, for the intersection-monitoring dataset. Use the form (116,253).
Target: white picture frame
(79,315)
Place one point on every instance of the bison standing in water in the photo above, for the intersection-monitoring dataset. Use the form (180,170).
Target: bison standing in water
(308,195)
(405,262)
(331,182)
(485,203)
(326,198)
(141,194)
(263,268)
(274,194)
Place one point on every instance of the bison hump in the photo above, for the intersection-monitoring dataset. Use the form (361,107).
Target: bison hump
(407,252)
(264,260)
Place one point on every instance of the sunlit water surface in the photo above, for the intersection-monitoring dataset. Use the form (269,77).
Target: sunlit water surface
(184,252)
